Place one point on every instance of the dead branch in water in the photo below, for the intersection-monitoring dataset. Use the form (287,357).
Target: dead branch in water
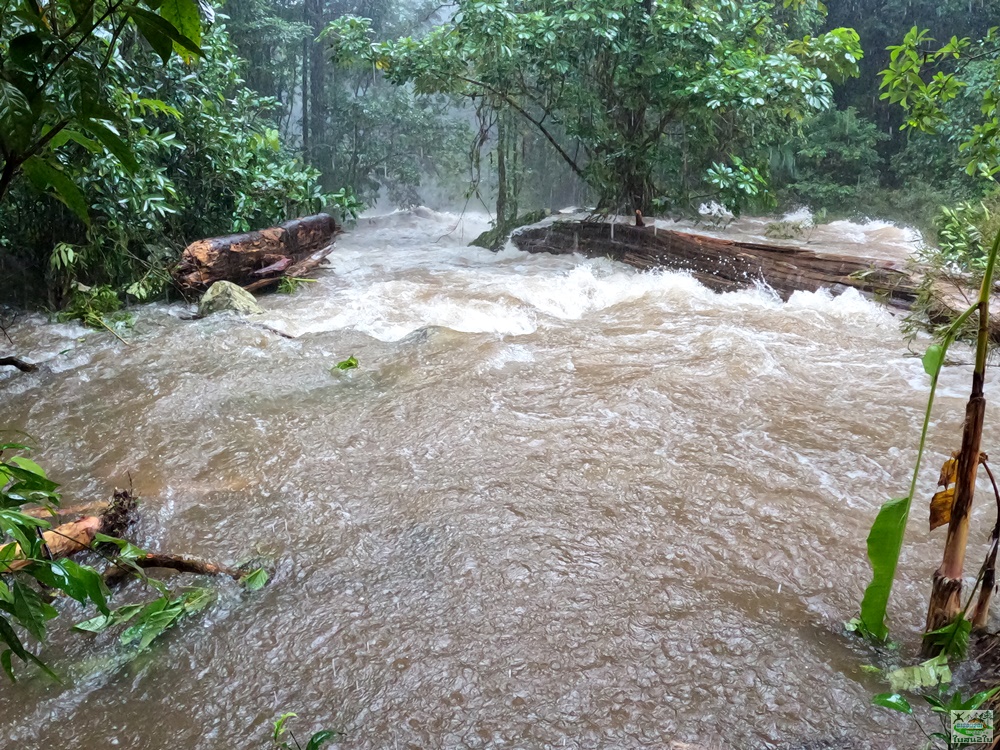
(20,364)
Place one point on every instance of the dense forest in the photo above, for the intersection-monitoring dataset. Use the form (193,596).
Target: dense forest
(119,146)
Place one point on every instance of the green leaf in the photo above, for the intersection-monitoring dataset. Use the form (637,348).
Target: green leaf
(45,177)
(7,666)
(161,34)
(28,465)
(29,609)
(952,638)
(25,49)
(930,673)
(110,140)
(256,580)
(348,364)
(279,725)
(83,10)
(885,541)
(933,359)
(184,16)
(321,738)
(894,701)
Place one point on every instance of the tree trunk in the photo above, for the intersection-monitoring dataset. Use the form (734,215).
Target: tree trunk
(946,589)
(244,258)
(723,265)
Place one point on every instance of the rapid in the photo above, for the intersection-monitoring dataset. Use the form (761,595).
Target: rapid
(560,504)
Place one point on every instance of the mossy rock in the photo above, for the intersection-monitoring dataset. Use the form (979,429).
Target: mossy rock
(496,238)
(225,295)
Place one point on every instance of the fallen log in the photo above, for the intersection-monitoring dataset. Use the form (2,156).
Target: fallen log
(63,541)
(241,258)
(724,265)
(20,364)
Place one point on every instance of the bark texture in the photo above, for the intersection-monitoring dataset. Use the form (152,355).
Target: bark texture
(242,258)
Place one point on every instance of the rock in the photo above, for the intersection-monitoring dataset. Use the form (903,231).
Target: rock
(225,295)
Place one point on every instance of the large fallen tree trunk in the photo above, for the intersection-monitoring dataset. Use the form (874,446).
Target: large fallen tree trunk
(248,258)
(724,265)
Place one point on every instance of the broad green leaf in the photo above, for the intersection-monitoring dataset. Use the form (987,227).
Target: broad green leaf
(47,178)
(321,738)
(113,143)
(930,673)
(885,541)
(256,580)
(28,465)
(161,34)
(184,15)
(933,359)
(894,701)
(29,609)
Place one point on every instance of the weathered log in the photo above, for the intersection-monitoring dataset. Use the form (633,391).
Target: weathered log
(303,268)
(170,562)
(20,364)
(239,257)
(724,265)
(62,541)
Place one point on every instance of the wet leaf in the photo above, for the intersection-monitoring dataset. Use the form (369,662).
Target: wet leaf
(348,364)
(949,471)
(256,580)
(930,673)
(885,541)
(941,505)
(894,701)
(933,359)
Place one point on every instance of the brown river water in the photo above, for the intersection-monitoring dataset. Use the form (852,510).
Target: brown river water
(560,504)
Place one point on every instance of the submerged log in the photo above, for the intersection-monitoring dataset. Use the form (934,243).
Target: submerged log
(20,364)
(244,258)
(171,562)
(724,265)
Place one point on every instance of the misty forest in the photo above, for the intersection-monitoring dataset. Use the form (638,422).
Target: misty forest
(382,374)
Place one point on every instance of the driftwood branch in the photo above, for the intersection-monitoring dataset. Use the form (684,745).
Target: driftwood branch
(170,562)
(20,364)
(296,270)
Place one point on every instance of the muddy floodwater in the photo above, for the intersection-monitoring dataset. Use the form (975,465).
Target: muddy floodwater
(560,504)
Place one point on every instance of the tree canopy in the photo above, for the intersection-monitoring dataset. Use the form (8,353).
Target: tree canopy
(628,93)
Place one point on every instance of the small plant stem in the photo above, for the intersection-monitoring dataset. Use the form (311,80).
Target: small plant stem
(946,590)
(981,613)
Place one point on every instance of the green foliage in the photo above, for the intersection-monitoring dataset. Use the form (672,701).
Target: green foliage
(885,540)
(255,580)
(291,284)
(315,742)
(55,63)
(717,77)
(959,239)
(941,703)
(199,156)
(24,563)
(832,163)
(348,364)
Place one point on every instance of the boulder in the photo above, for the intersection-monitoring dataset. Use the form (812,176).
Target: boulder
(225,295)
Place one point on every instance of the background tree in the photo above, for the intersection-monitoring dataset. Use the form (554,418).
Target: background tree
(625,84)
